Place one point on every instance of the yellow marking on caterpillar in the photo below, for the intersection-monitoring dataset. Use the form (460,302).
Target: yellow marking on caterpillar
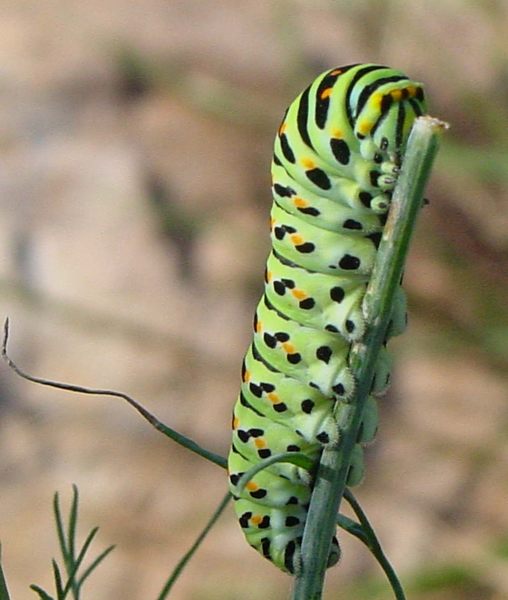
(336,133)
(251,486)
(269,276)
(376,100)
(288,347)
(326,93)
(296,238)
(396,95)
(411,90)
(364,127)
(236,423)
(299,294)
(272,223)
(308,163)
(256,519)
(260,443)
(336,72)
(247,376)
(282,128)
(300,202)
(273,397)
(259,327)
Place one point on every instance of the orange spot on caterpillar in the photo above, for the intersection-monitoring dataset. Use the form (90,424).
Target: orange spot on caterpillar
(299,294)
(236,423)
(336,133)
(251,486)
(336,72)
(256,519)
(259,327)
(282,128)
(247,376)
(326,93)
(300,202)
(297,239)
(273,397)
(269,276)
(308,163)
(260,443)
(288,347)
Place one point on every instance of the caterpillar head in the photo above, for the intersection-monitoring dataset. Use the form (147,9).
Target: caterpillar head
(385,112)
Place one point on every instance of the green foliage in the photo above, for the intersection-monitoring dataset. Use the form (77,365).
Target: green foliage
(69,580)
(4,593)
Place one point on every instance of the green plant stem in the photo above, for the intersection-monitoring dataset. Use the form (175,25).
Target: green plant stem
(180,439)
(296,458)
(369,538)
(4,593)
(353,528)
(192,550)
(333,469)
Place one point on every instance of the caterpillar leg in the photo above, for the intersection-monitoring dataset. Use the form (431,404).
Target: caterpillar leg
(382,373)
(370,422)
(398,322)
(356,467)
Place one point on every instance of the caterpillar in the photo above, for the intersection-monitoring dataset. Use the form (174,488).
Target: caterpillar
(337,155)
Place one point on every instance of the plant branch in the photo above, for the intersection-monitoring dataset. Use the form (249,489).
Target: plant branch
(152,419)
(192,550)
(296,458)
(4,593)
(369,538)
(333,469)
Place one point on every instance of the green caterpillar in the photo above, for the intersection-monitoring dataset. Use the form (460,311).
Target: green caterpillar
(337,156)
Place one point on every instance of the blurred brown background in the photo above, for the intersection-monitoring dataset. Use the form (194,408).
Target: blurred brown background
(136,143)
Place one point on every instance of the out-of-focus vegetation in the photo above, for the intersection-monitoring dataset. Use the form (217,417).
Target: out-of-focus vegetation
(136,144)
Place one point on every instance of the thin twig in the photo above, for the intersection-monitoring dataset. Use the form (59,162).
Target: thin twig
(353,528)
(296,458)
(371,541)
(4,592)
(152,419)
(190,553)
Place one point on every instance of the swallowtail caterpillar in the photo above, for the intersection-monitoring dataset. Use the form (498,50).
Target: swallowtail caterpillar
(336,160)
